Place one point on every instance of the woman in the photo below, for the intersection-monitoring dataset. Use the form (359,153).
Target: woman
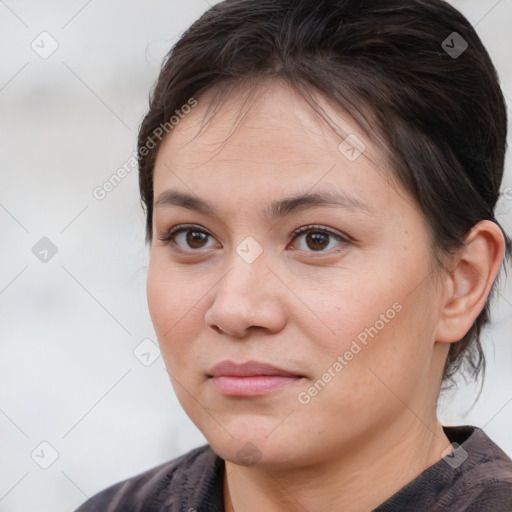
(319,179)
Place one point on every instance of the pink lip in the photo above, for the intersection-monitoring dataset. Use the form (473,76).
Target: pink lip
(252,378)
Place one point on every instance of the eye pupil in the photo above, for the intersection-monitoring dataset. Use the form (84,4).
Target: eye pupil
(316,238)
(195,236)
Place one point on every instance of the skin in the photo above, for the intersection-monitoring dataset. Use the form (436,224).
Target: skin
(373,427)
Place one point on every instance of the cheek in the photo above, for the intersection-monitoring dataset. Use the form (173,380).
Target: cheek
(368,372)
(351,307)
(162,293)
(174,303)
(374,320)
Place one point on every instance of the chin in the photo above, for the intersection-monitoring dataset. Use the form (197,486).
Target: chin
(252,449)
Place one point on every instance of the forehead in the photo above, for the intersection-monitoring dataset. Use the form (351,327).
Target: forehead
(268,128)
(264,142)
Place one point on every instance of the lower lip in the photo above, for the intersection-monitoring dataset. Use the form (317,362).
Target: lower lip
(251,386)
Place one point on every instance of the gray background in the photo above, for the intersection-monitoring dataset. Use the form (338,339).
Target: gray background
(70,323)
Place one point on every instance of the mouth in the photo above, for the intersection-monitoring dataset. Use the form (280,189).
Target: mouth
(252,378)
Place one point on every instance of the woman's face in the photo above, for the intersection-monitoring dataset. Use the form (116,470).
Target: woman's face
(346,307)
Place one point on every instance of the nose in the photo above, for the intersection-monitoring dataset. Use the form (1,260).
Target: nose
(249,297)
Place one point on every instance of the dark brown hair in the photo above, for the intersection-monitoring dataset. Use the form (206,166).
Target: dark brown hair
(413,74)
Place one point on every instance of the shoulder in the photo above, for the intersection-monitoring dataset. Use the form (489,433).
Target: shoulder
(475,477)
(482,477)
(169,483)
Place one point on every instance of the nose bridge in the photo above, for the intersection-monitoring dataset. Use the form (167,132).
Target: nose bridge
(247,267)
(243,297)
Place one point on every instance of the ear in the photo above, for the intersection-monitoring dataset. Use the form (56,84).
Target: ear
(469,283)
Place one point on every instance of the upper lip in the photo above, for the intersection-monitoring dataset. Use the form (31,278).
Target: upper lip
(248,369)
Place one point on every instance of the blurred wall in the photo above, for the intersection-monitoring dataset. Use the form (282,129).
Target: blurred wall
(82,404)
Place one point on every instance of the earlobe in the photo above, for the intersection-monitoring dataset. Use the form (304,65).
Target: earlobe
(470,282)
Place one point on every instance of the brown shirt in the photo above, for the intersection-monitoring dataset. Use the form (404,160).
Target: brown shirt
(477,477)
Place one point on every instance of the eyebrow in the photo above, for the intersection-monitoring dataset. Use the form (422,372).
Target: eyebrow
(275,210)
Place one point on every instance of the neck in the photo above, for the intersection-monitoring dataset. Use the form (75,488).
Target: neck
(355,480)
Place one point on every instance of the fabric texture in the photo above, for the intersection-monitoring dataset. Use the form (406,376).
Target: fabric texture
(477,477)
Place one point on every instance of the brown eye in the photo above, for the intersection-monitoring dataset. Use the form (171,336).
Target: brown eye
(317,238)
(186,238)
(195,239)
(317,241)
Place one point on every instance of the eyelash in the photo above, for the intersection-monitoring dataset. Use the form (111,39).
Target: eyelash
(176,230)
